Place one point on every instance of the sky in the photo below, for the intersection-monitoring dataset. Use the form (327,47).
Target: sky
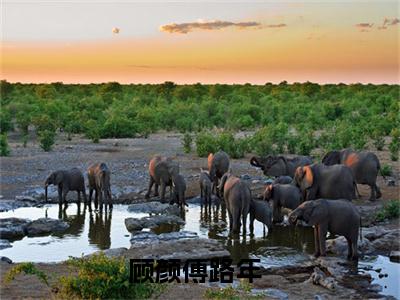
(194,41)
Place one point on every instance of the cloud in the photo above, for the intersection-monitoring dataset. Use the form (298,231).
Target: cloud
(115,30)
(276,25)
(389,22)
(184,28)
(364,25)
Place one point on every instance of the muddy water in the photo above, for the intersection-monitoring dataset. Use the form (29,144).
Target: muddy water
(89,232)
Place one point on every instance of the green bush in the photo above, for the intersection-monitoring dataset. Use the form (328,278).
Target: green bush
(4,148)
(26,268)
(205,144)
(92,131)
(386,170)
(5,121)
(378,140)
(100,277)
(394,145)
(262,142)
(187,140)
(390,210)
(46,139)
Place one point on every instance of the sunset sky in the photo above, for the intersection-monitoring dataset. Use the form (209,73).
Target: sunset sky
(200,41)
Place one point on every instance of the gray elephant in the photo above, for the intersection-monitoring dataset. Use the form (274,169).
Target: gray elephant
(218,165)
(336,216)
(161,170)
(237,197)
(282,195)
(283,180)
(179,189)
(260,211)
(364,165)
(330,182)
(280,165)
(67,180)
(205,186)
(99,182)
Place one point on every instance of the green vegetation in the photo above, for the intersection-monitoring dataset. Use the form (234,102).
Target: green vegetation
(386,170)
(390,210)
(100,277)
(4,148)
(187,140)
(243,291)
(394,146)
(46,139)
(26,268)
(292,118)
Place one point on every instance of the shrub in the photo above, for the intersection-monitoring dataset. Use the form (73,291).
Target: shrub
(262,142)
(92,131)
(386,170)
(46,139)
(394,145)
(4,148)
(100,277)
(378,140)
(25,140)
(26,268)
(205,144)
(390,210)
(306,143)
(187,140)
(5,121)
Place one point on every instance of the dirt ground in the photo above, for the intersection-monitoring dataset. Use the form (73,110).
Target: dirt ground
(27,168)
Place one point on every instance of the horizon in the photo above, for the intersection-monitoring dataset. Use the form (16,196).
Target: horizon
(226,42)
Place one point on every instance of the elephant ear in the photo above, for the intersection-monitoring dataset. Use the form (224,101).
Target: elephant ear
(308,177)
(209,161)
(331,158)
(221,185)
(268,193)
(285,162)
(58,177)
(316,213)
(298,176)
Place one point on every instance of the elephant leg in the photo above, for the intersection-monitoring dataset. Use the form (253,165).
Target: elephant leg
(349,248)
(163,187)
(244,221)
(372,197)
(378,191)
(235,220)
(201,193)
(156,185)
(60,197)
(64,196)
(149,189)
(252,217)
(90,194)
(101,198)
(316,241)
(322,231)
(96,198)
(230,220)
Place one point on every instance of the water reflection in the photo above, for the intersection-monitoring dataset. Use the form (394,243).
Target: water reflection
(76,222)
(100,229)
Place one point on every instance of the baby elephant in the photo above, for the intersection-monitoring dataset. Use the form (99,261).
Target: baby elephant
(282,195)
(205,186)
(179,189)
(67,180)
(99,181)
(260,211)
(336,216)
(237,197)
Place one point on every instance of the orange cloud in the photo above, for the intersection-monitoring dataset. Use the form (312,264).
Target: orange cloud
(276,25)
(184,28)
(364,25)
(389,22)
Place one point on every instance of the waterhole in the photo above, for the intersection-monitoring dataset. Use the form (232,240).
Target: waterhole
(92,231)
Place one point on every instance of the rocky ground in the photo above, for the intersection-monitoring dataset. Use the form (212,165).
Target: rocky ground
(21,183)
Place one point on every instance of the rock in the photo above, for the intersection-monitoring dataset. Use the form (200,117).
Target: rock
(4,244)
(6,205)
(391,182)
(179,249)
(318,277)
(339,246)
(150,237)
(133,224)
(45,226)
(6,259)
(373,233)
(394,256)
(245,177)
(255,181)
(388,242)
(154,207)
(25,198)
(375,288)
(115,252)
(276,294)
(11,228)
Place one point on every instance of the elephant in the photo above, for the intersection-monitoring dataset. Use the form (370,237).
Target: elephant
(282,195)
(280,165)
(205,186)
(237,198)
(336,216)
(330,182)
(260,211)
(179,189)
(283,180)
(364,165)
(67,180)
(218,165)
(99,181)
(161,170)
